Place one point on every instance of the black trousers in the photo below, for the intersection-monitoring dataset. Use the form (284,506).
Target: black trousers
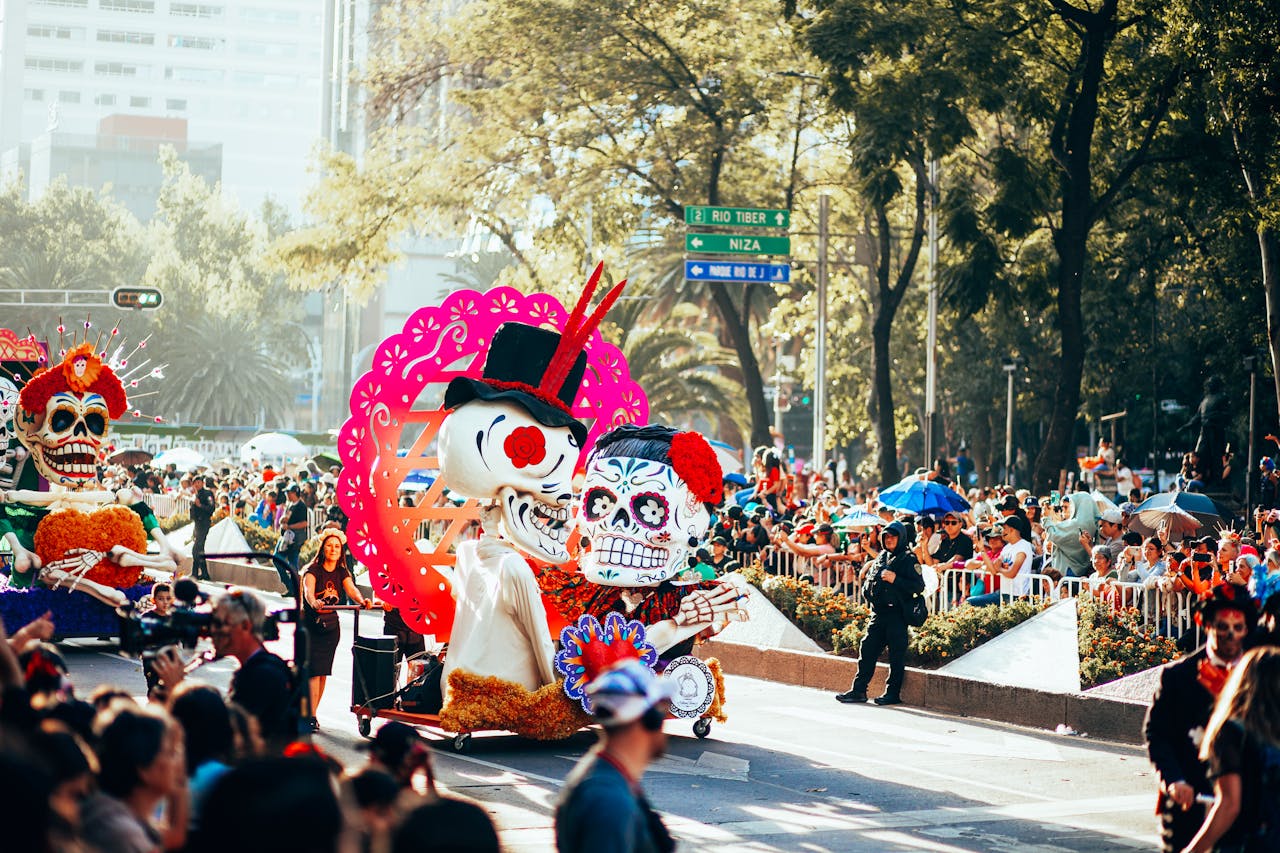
(1178,827)
(888,628)
(199,568)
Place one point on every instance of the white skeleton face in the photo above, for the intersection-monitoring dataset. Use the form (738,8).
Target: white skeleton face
(8,408)
(640,517)
(495,450)
(66,438)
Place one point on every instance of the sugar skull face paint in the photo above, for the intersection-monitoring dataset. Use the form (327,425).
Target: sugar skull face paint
(640,518)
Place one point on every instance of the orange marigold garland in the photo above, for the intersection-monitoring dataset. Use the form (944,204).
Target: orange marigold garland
(716,710)
(66,529)
(488,703)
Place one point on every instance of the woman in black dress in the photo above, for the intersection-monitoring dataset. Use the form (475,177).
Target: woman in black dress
(324,580)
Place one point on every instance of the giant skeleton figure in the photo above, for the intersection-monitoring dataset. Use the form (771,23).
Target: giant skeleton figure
(511,442)
(62,418)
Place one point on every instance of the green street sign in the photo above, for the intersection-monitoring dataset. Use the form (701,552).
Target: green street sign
(737,217)
(737,244)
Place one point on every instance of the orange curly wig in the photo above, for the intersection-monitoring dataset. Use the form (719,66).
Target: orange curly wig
(96,377)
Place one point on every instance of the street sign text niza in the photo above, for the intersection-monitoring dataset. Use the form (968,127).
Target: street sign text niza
(737,217)
(737,244)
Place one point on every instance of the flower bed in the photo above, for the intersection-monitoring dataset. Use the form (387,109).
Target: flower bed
(1113,643)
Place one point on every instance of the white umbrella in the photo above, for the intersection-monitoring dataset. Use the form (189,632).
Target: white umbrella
(271,445)
(182,458)
(859,517)
(728,456)
(1103,502)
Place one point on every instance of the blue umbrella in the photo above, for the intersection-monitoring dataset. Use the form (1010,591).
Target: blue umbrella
(919,495)
(1201,507)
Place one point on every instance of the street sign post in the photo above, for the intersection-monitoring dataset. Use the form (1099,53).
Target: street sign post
(704,270)
(737,217)
(736,244)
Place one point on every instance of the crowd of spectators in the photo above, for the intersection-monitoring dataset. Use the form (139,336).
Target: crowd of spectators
(188,768)
(827,530)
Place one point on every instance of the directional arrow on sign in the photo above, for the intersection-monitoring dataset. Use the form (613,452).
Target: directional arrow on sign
(780,218)
(696,242)
(696,269)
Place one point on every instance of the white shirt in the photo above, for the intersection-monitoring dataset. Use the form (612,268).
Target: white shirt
(1021,584)
(1125,483)
(500,626)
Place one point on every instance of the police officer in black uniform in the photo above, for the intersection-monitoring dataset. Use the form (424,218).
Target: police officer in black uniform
(890,581)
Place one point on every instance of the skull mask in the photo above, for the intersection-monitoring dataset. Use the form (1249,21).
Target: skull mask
(65,439)
(63,416)
(641,516)
(495,450)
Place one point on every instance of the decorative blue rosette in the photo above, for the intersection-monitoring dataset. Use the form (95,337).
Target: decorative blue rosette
(589,648)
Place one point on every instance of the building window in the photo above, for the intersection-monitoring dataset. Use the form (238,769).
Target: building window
(267,48)
(146,7)
(64,4)
(69,97)
(64,66)
(176,104)
(105,100)
(193,42)
(115,69)
(194,10)
(193,75)
(33,94)
(124,37)
(139,101)
(44,32)
(270,16)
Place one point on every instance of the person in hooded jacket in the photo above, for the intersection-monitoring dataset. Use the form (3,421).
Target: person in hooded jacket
(1070,557)
(890,581)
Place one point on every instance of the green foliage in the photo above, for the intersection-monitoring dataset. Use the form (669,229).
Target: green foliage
(1114,643)
(819,612)
(947,635)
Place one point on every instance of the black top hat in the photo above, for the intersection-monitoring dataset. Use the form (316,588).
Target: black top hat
(515,365)
(539,369)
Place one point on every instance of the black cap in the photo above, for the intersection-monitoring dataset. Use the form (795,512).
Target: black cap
(720,540)
(1009,502)
(393,742)
(519,355)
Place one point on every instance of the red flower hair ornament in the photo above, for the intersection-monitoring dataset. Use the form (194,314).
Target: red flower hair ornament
(693,459)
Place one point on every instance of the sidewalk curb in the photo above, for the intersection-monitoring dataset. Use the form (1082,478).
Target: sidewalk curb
(1099,717)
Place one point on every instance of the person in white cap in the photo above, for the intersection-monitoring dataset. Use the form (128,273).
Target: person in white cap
(602,806)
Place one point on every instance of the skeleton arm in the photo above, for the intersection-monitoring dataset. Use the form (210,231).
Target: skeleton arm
(27,496)
(699,611)
(23,560)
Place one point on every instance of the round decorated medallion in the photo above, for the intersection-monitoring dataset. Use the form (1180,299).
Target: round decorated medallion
(693,685)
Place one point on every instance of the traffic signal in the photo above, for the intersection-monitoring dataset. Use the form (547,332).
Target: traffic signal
(145,298)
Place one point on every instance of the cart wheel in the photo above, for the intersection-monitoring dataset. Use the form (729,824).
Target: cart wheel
(702,727)
(462,742)
(364,725)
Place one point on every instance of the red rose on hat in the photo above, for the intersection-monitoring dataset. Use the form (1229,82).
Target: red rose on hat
(525,446)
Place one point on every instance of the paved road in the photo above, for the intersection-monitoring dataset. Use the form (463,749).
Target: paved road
(794,770)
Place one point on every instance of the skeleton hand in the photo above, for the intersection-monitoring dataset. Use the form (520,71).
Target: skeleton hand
(704,606)
(77,561)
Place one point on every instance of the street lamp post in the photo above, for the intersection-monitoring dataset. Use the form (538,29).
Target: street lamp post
(1251,365)
(1010,367)
(820,366)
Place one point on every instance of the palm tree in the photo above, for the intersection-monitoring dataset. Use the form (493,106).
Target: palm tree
(680,368)
(229,371)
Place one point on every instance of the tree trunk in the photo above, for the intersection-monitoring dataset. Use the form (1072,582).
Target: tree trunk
(1072,145)
(1269,246)
(882,399)
(752,383)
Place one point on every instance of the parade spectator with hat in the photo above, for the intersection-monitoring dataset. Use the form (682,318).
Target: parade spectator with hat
(953,546)
(1013,565)
(602,806)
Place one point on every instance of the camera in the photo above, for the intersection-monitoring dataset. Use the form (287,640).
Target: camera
(189,621)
